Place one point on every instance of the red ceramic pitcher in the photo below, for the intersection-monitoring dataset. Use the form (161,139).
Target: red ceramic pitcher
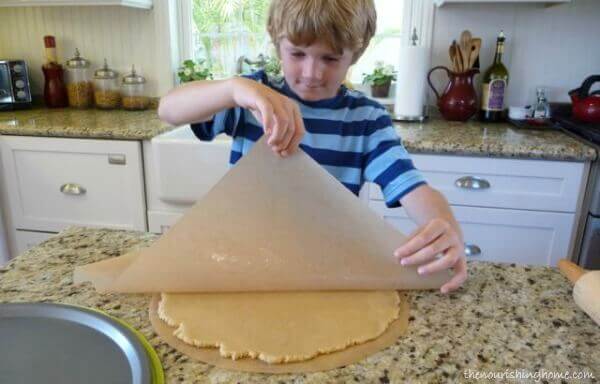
(459,100)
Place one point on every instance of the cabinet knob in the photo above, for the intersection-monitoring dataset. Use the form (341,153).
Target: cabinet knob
(72,189)
(472,250)
(472,182)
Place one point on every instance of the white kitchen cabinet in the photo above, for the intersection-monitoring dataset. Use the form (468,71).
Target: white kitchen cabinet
(502,183)
(53,183)
(144,4)
(501,235)
(511,210)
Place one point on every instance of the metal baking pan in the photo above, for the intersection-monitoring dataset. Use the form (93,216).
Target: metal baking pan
(57,343)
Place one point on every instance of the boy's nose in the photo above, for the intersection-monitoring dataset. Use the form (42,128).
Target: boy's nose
(312,70)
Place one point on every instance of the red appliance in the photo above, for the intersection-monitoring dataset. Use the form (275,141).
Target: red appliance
(586,105)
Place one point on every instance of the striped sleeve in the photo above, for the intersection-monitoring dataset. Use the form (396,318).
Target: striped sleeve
(388,164)
(226,121)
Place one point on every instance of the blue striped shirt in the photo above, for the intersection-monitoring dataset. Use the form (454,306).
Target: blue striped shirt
(350,135)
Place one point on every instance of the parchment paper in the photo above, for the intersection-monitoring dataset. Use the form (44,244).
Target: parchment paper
(270,224)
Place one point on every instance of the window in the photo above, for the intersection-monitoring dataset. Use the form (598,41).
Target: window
(223,31)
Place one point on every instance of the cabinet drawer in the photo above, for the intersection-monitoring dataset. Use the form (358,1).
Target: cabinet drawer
(502,235)
(504,183)
(54,183)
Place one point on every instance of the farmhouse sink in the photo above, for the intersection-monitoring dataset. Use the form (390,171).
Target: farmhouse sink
(186,167)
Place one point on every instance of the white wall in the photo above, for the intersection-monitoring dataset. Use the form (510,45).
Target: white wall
(123,35)
(555,46)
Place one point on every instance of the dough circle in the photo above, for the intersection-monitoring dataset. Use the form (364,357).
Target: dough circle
(279,327)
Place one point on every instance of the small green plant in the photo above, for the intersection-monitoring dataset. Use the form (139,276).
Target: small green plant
(191,71)
(381,75)
(273,66)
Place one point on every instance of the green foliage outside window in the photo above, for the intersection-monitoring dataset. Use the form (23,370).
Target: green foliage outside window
(229,28)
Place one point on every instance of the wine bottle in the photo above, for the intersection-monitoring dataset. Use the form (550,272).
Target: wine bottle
(494,84)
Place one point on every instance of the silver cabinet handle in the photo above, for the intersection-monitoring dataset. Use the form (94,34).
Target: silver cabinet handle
(117,159)
(472,182)
(72,189)
(472,250)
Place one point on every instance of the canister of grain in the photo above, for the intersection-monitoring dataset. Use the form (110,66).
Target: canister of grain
(80,89)
(106,88)
(134,95)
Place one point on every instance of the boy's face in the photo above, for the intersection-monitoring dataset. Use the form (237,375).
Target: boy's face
(313,72)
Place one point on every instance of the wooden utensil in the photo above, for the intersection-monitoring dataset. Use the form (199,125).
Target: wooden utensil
(475,46)
(465,44)
(586,290)
(452,52)
(459,58)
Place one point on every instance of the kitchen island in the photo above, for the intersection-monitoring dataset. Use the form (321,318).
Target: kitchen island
(505,318)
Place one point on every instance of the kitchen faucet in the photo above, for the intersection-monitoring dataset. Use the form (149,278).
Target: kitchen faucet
(259,62)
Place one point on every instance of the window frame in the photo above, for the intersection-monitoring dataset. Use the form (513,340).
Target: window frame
(417,13)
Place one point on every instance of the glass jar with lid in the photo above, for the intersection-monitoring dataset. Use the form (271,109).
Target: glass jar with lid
(134,93)
(106,88)
(80,90)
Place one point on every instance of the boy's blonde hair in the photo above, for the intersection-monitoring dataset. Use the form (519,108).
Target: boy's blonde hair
(337,23)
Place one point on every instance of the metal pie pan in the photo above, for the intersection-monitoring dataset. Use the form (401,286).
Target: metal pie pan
(57,343)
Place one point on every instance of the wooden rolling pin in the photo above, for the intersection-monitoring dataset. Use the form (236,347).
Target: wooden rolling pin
(586,290)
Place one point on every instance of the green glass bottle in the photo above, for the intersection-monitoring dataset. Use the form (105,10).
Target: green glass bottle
(494,84)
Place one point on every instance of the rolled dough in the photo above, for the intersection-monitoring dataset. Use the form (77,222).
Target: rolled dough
(279,327)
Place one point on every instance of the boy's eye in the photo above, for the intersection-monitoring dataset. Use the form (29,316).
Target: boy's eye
(298,54)
(331,59)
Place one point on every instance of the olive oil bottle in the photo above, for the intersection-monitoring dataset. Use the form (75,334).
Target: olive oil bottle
(494,84)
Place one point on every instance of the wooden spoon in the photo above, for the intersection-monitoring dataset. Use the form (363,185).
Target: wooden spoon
(465,43)
(459,59)
(474,51)
(452,52)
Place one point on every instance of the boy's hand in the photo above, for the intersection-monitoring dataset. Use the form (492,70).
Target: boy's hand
(278,114)
(437,237)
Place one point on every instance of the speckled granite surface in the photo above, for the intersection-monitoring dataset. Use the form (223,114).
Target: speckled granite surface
(434,136)
(474,138)
(89,123)
(506,317)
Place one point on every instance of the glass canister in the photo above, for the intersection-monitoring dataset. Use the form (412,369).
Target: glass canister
(134,93)
(80,89)
(106,88)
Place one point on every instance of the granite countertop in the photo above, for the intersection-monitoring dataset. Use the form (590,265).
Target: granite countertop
(434,136)
(83,123)
(505,318)
(475,138)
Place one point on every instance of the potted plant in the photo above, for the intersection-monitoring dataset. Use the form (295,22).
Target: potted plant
(191,71)
(380,79)
(273,66)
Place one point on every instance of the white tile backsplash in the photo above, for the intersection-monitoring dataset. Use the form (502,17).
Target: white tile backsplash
(123,35)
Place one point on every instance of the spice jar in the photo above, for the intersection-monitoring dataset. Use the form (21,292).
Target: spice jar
(134,95)
(80,89)
(106,88)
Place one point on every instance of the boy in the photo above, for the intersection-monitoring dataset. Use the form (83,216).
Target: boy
(348,134)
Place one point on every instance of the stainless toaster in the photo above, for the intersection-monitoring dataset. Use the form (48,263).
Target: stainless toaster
(15,91)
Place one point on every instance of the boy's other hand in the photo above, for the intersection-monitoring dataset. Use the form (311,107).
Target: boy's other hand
(278,114)
(438,237)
